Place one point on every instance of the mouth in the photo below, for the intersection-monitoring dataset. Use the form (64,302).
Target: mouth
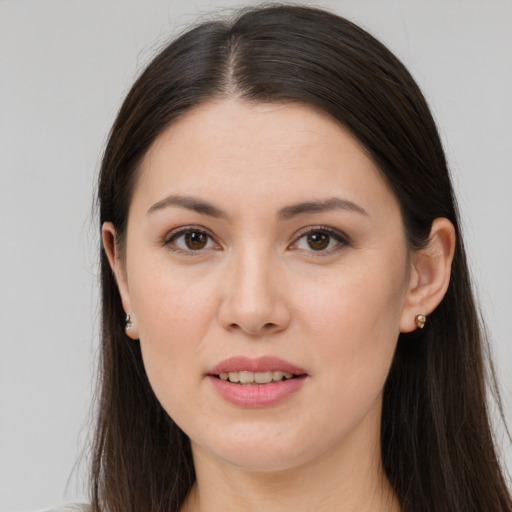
(244,377)
(256,382)
(250,371)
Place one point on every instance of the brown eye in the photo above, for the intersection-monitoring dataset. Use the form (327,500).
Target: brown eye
(196,240)
(323,240)
(318,241)
(191,240)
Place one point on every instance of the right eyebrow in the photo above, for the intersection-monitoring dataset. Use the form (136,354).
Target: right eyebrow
(189,203)
(325,205)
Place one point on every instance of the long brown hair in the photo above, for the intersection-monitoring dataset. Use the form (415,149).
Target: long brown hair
(437,445)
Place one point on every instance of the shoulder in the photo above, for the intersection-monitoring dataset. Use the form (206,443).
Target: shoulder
(72,507)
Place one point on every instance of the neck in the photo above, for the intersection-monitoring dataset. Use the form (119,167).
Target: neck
(349,478)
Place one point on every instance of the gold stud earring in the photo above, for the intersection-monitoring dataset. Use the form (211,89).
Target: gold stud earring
(420,321)
(128,324)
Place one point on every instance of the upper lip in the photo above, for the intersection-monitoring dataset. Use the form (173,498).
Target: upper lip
(258,364)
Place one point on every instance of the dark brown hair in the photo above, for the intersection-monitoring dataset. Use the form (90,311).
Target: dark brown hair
(437,446)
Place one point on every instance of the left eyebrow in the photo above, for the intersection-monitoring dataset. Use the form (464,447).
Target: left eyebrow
(333,203)
(189,203)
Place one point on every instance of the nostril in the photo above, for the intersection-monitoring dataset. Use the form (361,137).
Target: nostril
(254,329)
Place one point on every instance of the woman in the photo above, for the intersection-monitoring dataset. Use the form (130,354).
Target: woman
(288,320)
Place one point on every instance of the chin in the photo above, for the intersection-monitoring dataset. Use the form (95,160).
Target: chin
(260,460)
(261,449)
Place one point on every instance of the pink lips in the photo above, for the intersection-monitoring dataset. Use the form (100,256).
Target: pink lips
(259,364)
(256,395)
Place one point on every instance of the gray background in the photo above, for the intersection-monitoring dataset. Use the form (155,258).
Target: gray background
(64,68)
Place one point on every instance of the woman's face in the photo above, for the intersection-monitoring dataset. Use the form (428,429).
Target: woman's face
(263,242)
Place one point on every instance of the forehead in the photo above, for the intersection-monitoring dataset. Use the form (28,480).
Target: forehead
(230,127)
(230,149)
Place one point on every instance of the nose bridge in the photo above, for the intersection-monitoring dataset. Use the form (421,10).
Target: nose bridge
(253,266)
(252,300)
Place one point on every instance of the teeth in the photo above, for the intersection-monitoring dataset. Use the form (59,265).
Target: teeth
(244,377)
(263,377)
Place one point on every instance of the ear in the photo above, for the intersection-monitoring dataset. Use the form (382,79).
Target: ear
(110,244)
(430,274)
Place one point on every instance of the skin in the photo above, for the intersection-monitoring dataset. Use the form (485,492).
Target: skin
(258,287)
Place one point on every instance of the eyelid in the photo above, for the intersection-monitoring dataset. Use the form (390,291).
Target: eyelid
(342,239)
(182,230)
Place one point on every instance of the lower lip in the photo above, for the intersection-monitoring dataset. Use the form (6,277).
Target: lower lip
(257,395)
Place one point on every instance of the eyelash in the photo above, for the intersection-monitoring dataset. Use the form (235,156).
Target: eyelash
(340,238)
(170,240)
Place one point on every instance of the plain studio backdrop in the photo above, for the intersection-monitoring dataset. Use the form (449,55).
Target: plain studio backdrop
(65,66)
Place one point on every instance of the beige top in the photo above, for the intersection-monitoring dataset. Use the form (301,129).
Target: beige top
(71,507)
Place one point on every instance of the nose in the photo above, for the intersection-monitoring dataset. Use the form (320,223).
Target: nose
(253,301)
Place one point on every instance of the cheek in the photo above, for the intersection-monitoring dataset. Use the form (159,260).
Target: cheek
(354,322)
(170,305)
(359,300)
(173,316)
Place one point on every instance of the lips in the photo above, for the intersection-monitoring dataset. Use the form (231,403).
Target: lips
(258,382)
(245,377)
(256,365)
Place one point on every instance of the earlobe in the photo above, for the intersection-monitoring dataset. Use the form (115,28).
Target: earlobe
(430,274)
(110,245)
